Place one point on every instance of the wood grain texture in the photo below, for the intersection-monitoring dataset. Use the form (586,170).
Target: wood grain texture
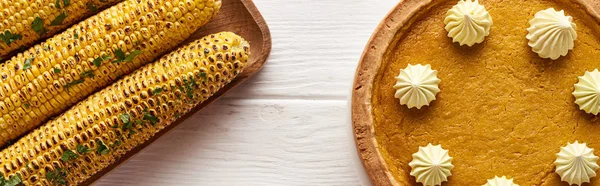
(316,46)
(285,126)
(248,142)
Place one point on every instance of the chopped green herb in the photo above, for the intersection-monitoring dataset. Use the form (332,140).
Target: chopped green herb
(59,19)
(12,181)
(91,7)
(98,61)
(139,122)
(127,125)
(87,74)
(193,84)
(68,155)
(190,85)
(82,149)
(133,54)
(121,57)
(38,26)
(151,118)
(157,90)
(27,105)
(117,143)
(203,75)
(65,3)
(76,35)
(177,115)
(27,63)
(115,126)
(9,37)
(57,70)
(113,145)
(57,176)
(46,48)
(125,118)
(120,54)
(102,149)
(73,83)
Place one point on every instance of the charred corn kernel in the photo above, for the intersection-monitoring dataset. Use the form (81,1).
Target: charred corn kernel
(101,129)
(20,28)
(67,68)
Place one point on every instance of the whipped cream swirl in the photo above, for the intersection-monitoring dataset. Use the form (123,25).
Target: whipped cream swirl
(468,22)
(551,34)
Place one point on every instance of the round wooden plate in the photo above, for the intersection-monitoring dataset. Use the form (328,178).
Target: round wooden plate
(396,23)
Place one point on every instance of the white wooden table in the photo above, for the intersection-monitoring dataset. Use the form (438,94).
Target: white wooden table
(286,126)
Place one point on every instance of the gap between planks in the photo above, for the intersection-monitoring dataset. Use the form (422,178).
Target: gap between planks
(298,98)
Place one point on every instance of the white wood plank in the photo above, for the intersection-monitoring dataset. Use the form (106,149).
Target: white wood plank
(316,46)
(249,142)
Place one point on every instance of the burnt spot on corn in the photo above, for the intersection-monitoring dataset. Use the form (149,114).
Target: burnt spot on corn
(77,59)
(107,26)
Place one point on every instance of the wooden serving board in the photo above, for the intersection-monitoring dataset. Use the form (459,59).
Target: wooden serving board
(393,26)
(237,16)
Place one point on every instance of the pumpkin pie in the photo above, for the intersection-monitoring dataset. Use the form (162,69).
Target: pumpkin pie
(502,109)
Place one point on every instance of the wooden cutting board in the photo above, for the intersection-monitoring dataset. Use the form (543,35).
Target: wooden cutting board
(237,16)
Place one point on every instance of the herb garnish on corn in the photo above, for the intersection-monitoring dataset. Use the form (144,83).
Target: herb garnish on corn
(26,22)
(63,70)
(98,131)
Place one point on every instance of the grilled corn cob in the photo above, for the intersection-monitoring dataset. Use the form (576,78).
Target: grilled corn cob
(54,75)
(99,130)
(24,21)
